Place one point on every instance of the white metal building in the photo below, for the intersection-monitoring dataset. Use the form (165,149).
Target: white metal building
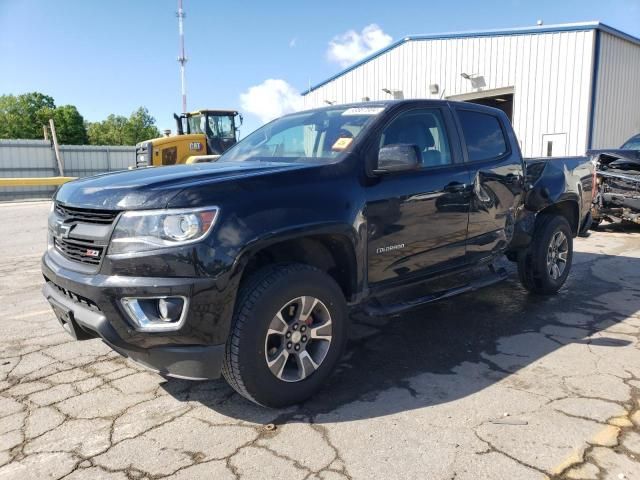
(566,88)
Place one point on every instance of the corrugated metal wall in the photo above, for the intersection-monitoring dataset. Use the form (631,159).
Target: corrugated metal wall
(550,74)
(617,106)
(36,158)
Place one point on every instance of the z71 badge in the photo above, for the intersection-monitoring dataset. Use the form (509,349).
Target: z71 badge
(197,146)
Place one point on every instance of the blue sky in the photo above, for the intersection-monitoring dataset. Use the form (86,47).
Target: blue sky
(113,56)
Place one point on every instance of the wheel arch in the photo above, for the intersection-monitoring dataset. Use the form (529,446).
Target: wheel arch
(332,251)
(568,208)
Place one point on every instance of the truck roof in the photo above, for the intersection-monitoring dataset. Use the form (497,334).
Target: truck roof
(387,103)
(214,111)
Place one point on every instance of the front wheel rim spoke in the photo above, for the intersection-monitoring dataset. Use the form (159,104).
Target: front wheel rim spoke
(318,334)
(306,365)
(277,364)
(278,325)
(307,305)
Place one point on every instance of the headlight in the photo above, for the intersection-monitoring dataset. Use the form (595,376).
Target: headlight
(140,231)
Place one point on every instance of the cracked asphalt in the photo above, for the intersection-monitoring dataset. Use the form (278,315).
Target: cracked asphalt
(497,384)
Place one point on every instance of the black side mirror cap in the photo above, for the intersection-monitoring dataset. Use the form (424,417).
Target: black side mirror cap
(398,157)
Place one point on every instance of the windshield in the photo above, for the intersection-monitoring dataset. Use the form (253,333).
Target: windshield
(221,126)
(196,124)
(632,144)
(315,134)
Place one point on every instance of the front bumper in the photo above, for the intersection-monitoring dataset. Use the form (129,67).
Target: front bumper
(195,362)
(88,306)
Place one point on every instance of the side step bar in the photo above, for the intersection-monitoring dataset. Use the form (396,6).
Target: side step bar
(375,309)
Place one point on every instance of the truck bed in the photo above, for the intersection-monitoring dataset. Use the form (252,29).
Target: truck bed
(554,179)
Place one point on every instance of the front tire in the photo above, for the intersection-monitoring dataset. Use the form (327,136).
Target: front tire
(544,266)
(288,333)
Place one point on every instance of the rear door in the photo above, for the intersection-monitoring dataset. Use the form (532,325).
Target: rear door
(495,165)
(417,220)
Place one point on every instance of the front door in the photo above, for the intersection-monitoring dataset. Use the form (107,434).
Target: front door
(417,220)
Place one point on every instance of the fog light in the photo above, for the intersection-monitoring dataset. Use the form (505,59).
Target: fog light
(170,308)
(156,314)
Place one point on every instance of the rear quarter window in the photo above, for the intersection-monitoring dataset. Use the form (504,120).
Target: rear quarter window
(483,135)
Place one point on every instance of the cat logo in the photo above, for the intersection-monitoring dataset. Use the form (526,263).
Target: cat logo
(195,146)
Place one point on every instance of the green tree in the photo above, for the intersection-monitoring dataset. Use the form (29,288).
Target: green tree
(69,125)
(141,126)
(119,130)
(108,132)
(23,116)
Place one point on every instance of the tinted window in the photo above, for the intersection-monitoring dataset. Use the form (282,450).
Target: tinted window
(632,144)
(315,134)
(424,128)
(482,134)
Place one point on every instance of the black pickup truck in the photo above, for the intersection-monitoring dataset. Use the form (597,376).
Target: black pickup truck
(249,266)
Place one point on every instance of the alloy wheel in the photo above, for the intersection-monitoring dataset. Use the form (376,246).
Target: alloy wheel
(557,255)
(298,339)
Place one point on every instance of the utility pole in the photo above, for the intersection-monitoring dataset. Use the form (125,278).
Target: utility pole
(182,59)
(56,147)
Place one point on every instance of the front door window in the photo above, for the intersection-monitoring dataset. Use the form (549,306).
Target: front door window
(425,129)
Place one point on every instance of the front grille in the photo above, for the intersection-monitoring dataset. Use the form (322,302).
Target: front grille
(74,296)
(72,214)
(83,252)
(81,234)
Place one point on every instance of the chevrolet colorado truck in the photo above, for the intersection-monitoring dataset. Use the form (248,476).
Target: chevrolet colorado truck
(617,194)
(248,267)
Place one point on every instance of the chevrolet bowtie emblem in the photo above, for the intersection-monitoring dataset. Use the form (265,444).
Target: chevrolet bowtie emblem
(63,230)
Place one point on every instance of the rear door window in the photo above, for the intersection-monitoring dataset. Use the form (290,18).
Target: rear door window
(483,135)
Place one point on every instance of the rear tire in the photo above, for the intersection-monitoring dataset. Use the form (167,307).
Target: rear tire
(261,361)
(544,266)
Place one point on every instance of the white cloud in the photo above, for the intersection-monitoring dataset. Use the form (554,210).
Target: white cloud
(352,46)
(271,99)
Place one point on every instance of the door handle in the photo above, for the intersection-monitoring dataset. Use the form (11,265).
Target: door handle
(455,187)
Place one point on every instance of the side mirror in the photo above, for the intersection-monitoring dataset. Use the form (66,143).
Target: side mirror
(397,158)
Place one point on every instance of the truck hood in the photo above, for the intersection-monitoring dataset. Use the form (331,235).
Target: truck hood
(155,187)
(617,159)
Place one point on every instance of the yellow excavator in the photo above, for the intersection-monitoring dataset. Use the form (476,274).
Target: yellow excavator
(203,135)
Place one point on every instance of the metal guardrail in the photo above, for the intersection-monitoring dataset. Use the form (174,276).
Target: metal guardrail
(28,168)
(34,181)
